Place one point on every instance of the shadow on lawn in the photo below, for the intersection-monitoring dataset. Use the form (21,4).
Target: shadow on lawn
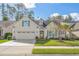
(41,41)
(69,43)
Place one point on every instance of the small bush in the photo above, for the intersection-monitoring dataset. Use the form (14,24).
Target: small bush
(5,18)
(1,37)
(9,38)
(8,35)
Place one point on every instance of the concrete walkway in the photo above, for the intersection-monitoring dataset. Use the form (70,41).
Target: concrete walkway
(14,43)
(56,47)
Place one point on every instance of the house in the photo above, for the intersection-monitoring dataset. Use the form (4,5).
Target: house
(25,28)
(29,28)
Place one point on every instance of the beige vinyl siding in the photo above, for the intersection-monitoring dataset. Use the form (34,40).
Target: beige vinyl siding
(52,30)
(30,32)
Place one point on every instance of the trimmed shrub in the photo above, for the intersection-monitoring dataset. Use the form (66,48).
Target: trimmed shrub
(1,37)
(5,18)
(8,35)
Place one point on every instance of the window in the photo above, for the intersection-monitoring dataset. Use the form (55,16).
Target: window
(50,34)
(25,24)
(55,33)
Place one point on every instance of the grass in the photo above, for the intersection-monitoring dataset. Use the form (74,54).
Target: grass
(2,41)
(55,51)
(56,43)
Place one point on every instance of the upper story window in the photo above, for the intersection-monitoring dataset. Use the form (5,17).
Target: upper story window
(25,23)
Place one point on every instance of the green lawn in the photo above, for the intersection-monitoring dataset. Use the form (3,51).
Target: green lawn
(2,41)
(56,43)
(55,51)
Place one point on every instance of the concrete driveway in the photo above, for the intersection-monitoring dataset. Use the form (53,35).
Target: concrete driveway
(17,48)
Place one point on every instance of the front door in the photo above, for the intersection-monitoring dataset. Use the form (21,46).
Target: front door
(0,31)
(41,34)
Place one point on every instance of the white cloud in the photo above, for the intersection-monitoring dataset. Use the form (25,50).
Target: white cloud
(65,16)
(75,16)
(54,14)
(29,5)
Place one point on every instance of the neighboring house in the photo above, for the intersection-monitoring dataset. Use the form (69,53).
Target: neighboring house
(75,30)
(52,30)
(4,27)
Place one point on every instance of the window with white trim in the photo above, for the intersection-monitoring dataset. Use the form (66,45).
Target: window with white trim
(25,23)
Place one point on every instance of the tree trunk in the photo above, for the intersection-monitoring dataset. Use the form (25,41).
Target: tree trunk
(70,35)
(60,38)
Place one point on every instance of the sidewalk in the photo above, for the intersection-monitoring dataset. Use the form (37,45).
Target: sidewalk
(56,47)
(13,43)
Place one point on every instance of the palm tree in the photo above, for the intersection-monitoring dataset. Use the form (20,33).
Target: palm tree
(62,28)
(67,29)
(56,18)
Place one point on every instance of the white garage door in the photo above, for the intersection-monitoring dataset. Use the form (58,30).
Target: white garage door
(25,36)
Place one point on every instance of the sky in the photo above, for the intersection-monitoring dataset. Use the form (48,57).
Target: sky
(44,10)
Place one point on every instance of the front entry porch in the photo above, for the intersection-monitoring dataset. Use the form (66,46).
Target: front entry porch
(1,31)
(41,34)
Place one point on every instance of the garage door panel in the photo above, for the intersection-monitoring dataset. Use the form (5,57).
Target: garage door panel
(25,36)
